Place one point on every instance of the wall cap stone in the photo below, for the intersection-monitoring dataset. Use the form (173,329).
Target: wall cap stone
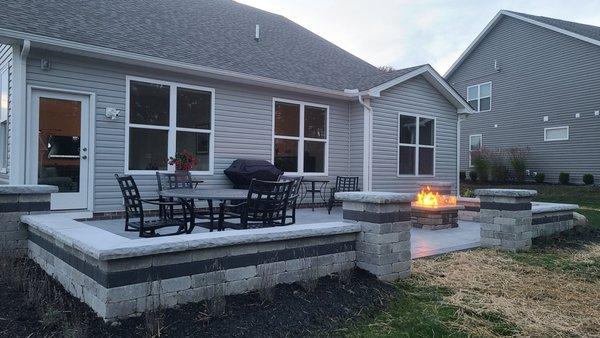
(435,183)
(375,197)
(542,207)
(506,192)
(28,189)
(104,245)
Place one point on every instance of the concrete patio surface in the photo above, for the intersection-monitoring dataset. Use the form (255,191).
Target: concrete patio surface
(424,243)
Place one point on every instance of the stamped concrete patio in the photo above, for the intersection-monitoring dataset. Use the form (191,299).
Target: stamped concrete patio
(424,242)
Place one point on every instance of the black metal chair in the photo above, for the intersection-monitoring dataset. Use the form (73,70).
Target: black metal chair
(182,180)
(265,206)
(134,209)
(342,184)
(294,196)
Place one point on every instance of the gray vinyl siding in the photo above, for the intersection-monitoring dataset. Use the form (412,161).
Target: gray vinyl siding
(543,73)
(415,96)
(6,54)
(243,120)
(356,140)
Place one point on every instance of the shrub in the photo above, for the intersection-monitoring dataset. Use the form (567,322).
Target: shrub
(473,175)
(563,178)
(481,164)
(540,177)
(518,162)
(463,175)
(498,170)
(468,193)
(588,179)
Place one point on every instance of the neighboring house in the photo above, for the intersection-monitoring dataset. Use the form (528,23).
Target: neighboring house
(535,82)
(220,79)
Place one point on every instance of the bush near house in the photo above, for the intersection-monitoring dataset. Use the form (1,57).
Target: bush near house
(518,162)
(473,175)
(481,165)
(498,170)
(463,176)
(564,178)
(540,177)
(588,179)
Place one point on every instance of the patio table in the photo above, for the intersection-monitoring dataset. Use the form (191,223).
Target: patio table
(207,194)
(312,189)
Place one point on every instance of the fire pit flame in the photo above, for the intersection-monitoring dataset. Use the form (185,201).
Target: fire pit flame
(427,198)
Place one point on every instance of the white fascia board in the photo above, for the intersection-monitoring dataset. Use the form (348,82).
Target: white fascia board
(77,48)
(462,107)
(493,23)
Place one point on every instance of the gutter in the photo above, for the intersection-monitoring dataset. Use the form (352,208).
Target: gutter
(367,137)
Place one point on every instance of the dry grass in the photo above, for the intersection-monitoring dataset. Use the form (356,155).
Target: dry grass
(538,301)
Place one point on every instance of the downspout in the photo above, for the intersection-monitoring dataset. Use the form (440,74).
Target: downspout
(18,148)
(368,158)
(460,118)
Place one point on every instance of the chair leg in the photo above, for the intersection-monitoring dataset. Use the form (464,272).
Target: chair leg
(221,217)
(211,214)
(330,205)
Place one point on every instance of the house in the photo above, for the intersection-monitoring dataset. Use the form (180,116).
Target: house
(94,88)
(534,82)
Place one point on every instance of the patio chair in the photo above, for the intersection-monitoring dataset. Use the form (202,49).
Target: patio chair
(265,206)
(182,180)
(342,183)
(294,195)
(134,209)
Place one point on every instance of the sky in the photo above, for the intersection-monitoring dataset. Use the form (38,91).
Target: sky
(404,33)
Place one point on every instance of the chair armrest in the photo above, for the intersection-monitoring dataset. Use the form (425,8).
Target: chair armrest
(159,202)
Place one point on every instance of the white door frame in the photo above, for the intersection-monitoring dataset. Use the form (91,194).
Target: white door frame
(31,156)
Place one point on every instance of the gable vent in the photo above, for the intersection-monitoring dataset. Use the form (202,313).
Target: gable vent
(257,33)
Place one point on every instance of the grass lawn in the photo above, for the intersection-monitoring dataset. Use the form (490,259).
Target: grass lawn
(550,291)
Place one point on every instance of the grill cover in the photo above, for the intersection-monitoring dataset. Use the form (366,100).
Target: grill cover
(242,171)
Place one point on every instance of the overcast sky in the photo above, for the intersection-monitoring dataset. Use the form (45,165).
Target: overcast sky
(404,33)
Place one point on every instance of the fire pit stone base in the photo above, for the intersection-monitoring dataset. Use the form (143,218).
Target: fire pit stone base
(435,218)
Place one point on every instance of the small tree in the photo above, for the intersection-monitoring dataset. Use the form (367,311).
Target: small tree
(564,178)
(481,165)
(498,170)
(588,179)
(518,162)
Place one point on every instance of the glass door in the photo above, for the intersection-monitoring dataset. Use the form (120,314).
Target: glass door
(61,146)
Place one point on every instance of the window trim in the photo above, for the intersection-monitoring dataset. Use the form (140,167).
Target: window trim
(301,137)
(416,145)
(172,127)
(470,150)
(554,128)
(479,96)
(5,70)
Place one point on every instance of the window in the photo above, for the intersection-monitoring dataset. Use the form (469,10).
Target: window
(300,137)
(164,118)
(480,96)
(3,119)
(475,144)
(416,145)
(556,134)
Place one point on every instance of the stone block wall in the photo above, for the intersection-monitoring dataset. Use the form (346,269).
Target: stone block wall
(118,288)
(16,201)
(470,210)
(505,218)
(383,245)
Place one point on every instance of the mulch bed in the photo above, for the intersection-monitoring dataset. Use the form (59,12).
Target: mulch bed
(34,305)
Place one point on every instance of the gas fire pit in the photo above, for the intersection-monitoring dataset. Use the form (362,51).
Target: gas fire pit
(434,211)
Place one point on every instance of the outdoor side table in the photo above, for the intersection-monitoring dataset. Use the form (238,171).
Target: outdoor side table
(310,186)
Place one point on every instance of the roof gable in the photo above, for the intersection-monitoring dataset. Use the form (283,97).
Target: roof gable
(587,33)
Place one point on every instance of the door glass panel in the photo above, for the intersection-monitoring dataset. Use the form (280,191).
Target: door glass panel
(58,143)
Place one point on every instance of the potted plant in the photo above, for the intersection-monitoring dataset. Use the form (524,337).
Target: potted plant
(183,161)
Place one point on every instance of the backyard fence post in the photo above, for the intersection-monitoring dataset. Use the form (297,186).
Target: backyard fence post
(505,217)
(15,201)
(383,245)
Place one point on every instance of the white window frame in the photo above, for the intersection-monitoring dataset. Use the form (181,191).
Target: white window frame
(301,137)
(172,127)
(4,143)
(479,97)
(416,145)
(558,139)
(471,150)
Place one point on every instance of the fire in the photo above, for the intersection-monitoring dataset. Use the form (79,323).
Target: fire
(427,198)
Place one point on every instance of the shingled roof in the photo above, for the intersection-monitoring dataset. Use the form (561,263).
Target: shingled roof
(210,33)
(592,32)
